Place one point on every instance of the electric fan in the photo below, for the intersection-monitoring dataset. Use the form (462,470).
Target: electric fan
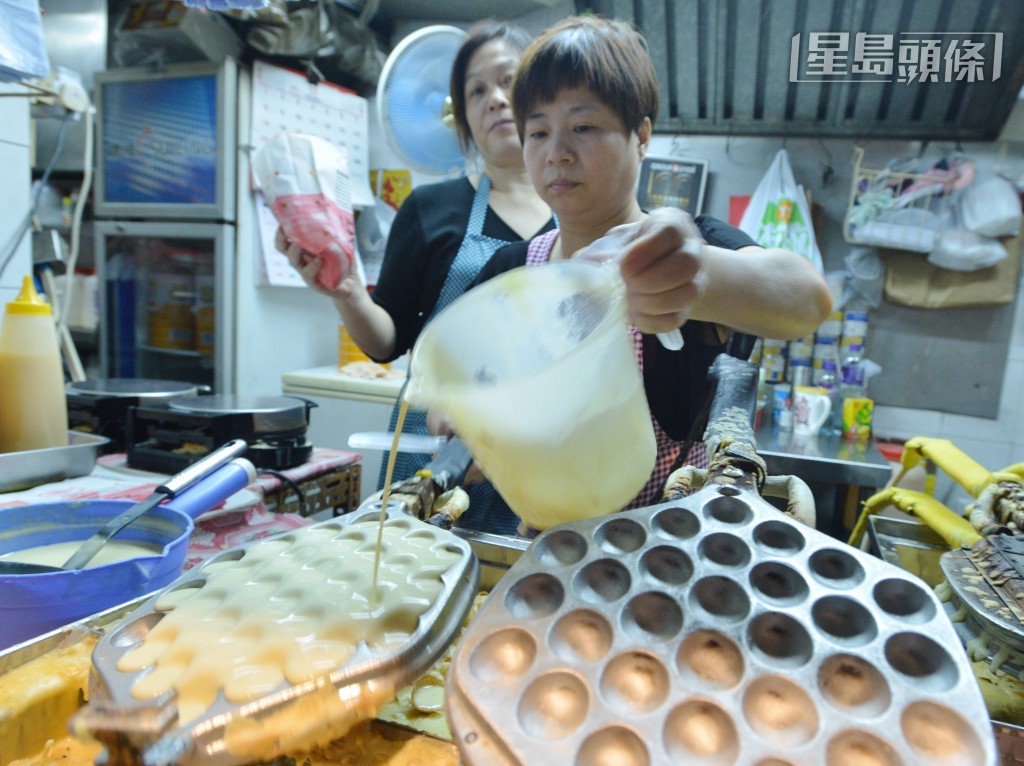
(411,96)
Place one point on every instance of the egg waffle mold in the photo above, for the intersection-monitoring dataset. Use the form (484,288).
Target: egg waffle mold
(303,578)
(981,595)
(714,631)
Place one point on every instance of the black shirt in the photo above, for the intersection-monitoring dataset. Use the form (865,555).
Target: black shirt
(424,239)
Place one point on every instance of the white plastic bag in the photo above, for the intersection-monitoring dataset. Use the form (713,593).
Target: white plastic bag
(991,207)
(962,250)
(306,183)
(778,214)
(22,46)
(373,225)
(959,249)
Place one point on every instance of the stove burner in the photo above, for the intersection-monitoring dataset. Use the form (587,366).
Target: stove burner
(100,405)
(172,438)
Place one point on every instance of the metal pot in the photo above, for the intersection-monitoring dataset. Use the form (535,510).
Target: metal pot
(33,604)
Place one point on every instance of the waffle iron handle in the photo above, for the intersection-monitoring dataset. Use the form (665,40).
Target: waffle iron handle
(730,423)
(449,468)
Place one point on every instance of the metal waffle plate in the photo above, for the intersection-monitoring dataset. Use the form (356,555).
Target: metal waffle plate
(987,625)
(150,731)
(712,631)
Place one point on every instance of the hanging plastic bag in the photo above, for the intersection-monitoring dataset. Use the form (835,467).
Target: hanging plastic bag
(778,214)
(22,46)
(372,229)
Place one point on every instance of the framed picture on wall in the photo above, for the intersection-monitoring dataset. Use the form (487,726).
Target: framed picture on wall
(667,181)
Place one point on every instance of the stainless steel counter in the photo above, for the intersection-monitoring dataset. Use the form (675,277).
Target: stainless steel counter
(841,474)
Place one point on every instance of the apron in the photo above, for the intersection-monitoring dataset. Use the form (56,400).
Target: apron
(487,511)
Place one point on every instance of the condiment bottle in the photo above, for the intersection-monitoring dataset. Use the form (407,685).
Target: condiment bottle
(33,405)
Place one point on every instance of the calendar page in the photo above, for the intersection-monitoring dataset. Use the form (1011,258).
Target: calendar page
(285,101)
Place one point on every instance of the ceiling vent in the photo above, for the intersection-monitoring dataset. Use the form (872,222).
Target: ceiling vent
(793,67)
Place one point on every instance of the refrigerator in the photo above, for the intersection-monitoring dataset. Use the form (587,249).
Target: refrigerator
(177,238)
(168,300)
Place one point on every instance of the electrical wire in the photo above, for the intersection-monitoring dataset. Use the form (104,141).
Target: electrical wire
(291,485)
(26,224)
(71,353)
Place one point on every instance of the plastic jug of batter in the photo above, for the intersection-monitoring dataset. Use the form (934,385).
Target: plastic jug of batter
(33,405)
(536,372)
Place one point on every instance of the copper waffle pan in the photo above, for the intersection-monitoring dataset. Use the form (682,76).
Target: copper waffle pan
(290,715)
(712,630)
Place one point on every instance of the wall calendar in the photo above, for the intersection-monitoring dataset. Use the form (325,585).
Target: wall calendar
(283,100)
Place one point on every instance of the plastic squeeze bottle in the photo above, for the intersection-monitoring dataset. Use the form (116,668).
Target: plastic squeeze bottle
(33,405)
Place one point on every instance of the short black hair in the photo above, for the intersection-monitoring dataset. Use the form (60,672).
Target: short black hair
(607,56)
(477,36)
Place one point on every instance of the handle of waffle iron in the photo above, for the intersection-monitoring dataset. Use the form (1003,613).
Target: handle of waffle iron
(447,471)
(730,430)
(449,467)
(444,472)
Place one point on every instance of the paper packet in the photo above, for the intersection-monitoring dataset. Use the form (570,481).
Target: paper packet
(305,180)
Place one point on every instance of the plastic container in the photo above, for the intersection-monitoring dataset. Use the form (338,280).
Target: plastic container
(831,328)
(782,406)
(853,370)
(33,408)
(830,381)
(855,324)
(799,373)
(773,360)
(537,374)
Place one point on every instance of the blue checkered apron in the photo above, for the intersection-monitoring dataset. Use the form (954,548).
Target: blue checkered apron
(487,511)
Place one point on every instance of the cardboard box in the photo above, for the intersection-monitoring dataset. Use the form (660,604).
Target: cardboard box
(185,34)
(857,415)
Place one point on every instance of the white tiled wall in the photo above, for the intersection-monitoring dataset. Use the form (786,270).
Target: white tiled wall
(824,168)
(994,443)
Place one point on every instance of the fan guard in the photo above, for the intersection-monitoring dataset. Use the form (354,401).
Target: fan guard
(411,93)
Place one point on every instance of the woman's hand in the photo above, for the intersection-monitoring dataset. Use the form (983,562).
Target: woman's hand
(663,270)
(308,266)
(438,424)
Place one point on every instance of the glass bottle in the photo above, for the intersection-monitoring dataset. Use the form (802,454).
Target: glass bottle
(852,369)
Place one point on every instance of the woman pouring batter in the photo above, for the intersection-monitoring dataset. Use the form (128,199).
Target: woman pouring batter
(445,232)
(585,98)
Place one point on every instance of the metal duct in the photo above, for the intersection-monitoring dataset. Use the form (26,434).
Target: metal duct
(724,67)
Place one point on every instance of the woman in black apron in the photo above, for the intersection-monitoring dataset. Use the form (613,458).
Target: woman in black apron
(445,232)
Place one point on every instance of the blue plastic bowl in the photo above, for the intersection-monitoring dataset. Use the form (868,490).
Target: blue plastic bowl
(33,604)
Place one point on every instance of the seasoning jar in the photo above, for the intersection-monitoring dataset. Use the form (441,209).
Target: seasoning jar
(33,406)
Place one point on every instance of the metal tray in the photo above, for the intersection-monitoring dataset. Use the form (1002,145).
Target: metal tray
(711,630)
(14,657)
(909,545)
(226,733)
(24,470)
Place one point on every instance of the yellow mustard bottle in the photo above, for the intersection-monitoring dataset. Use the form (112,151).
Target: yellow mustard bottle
(33,405)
